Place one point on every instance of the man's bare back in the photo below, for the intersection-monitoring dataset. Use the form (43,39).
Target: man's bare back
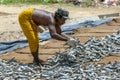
(45,18)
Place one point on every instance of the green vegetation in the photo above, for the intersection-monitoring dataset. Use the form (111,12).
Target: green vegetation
(30,1)
(47,1)
(86,3)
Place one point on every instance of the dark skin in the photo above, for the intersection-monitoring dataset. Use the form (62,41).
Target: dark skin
(41,17)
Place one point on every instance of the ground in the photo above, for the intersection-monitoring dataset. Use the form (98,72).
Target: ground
(9,23)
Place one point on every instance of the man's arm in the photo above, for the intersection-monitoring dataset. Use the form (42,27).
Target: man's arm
(64,35)
(40,29)
(55,35)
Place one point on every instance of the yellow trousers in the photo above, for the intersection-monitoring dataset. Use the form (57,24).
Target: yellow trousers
(29,28)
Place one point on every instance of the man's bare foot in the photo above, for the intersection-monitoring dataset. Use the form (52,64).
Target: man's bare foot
(40,62)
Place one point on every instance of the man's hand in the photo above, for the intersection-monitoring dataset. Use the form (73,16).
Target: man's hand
(72,42)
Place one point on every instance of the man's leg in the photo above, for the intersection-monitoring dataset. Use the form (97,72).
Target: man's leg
(30,31)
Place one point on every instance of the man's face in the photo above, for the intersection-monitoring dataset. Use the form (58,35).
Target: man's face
(62,21)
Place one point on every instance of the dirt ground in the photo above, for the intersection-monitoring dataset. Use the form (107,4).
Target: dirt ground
(9,22)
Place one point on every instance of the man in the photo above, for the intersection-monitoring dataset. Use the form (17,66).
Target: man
(31,18)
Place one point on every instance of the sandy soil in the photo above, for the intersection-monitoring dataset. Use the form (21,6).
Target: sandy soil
(9,13)
(9,22)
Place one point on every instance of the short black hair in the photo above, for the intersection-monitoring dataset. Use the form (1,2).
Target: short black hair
(62,13)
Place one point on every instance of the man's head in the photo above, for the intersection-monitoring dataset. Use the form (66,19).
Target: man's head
(61,15)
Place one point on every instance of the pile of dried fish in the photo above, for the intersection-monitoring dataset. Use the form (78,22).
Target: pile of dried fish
(11,70)
(70,64)
(92,50)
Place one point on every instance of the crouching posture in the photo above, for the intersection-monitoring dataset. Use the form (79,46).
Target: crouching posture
(31,18)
